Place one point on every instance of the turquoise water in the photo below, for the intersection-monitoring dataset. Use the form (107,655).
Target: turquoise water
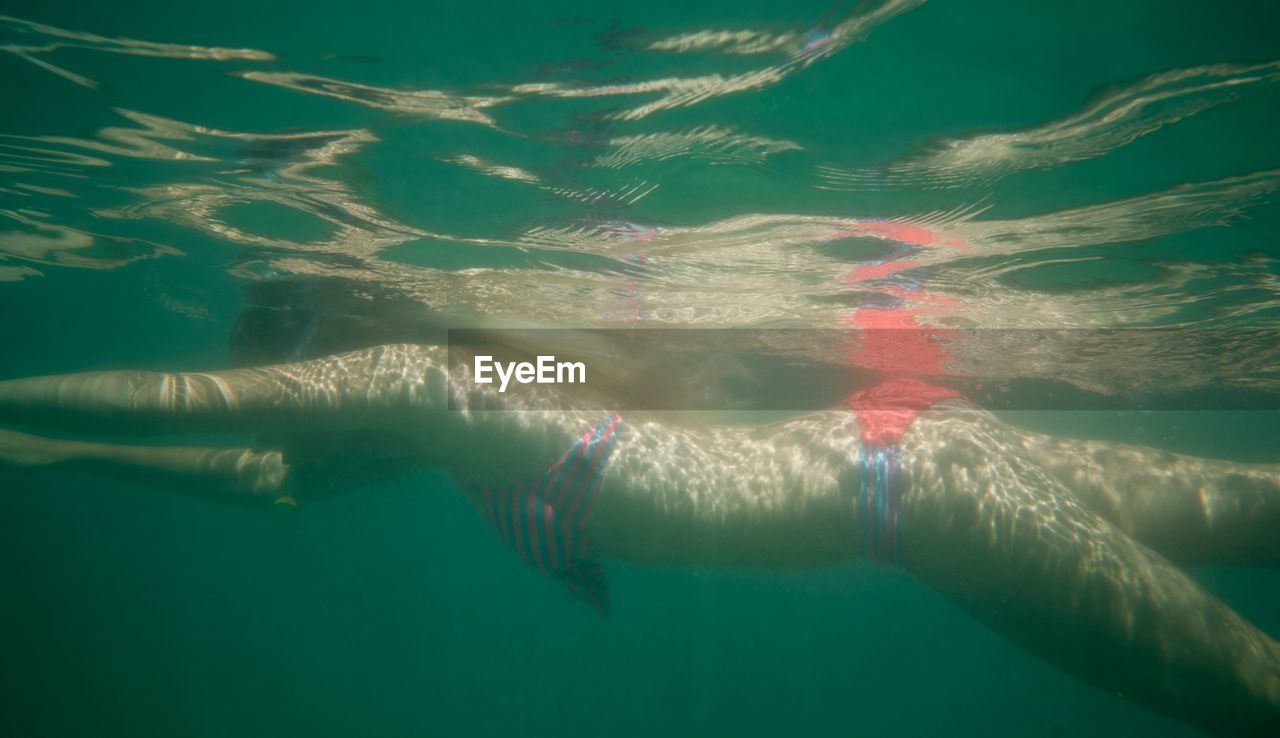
(148,187)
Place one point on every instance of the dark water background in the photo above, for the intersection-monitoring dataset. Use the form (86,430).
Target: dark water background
(396,611)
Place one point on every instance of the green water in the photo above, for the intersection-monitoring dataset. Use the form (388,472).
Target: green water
(395,610)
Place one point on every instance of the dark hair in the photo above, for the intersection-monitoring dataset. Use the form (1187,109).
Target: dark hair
(296,319)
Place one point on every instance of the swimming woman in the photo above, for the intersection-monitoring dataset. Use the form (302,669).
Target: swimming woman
(1070,548)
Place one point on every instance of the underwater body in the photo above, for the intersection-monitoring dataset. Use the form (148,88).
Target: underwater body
(959,416)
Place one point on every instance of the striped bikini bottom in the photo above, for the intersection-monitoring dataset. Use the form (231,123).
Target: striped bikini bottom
(877,501)
(545,520)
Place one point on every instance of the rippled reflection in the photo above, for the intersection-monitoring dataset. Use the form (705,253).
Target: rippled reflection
(426,103)
(59,38)
(1110,121)
(710,143)
(673,92)
(27,235)
(958,266)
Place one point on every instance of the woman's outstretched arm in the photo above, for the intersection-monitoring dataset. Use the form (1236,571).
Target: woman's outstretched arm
(346,390)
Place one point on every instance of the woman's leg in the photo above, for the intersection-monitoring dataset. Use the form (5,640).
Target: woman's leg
(232,474)
(1192,510)
(984,523)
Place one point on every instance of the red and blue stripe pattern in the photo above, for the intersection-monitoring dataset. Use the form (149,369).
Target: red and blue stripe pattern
(878,502)
(546,521)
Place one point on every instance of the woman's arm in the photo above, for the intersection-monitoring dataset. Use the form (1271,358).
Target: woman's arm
(233,474)
(347,390)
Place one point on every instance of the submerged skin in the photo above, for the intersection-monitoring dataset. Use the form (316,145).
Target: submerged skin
(1063,546)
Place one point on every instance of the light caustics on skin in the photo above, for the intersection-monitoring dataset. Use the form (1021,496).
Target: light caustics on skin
(396,385)
(52,39)
(1114,119)
(1001,521)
